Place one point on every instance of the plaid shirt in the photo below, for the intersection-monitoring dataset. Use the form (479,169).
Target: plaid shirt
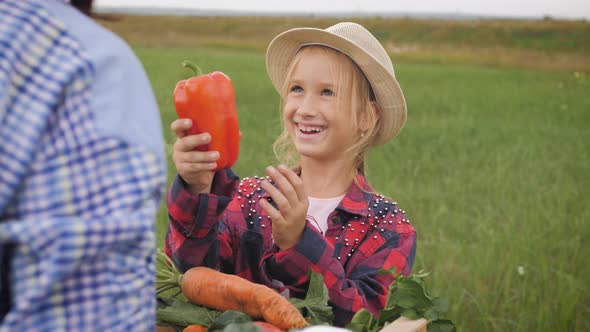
(80,183)
(366,232)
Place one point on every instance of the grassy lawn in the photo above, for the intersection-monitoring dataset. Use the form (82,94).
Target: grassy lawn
(490,165)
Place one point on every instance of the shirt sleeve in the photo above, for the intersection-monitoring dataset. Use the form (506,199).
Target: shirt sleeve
(194,224)
(359,285)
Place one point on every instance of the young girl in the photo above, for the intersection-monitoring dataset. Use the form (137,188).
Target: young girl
(340,98)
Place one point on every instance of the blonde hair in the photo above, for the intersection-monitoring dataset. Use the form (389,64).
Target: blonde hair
(351,86)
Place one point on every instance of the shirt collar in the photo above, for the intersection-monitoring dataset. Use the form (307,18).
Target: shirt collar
(358,197)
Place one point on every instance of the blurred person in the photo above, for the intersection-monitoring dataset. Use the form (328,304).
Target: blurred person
(316,211)
(82,172)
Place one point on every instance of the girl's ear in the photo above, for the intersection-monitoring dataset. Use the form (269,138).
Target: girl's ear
(369,119)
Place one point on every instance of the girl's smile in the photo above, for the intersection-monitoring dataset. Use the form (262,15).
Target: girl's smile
(310,132)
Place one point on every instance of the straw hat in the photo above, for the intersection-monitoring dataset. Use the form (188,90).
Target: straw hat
(364,49)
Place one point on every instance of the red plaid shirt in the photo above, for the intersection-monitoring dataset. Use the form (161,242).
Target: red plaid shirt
(228,230)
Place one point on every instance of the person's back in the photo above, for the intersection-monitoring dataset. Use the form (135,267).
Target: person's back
(82,169)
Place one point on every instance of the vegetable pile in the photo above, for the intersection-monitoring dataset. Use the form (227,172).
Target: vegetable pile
(208,300)
(212,289)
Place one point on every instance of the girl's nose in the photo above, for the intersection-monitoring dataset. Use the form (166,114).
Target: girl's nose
(306,108)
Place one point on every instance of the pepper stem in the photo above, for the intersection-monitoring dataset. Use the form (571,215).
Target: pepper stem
(195,68)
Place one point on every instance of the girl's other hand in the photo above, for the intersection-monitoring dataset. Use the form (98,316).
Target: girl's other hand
(288,222)
(194,167)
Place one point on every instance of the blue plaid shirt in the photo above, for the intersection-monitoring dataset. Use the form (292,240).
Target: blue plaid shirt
(82,171)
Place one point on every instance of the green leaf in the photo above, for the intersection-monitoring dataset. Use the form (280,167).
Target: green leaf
(363,317)
(410,313)
(441,325)
(420,275)
(388,315)
(357,327)
(416,277)
(242,327)
(410,294)
(227,318)
(392,270)
(317,290)
(441,305)
(316,314)
(431,314)
(315,307)
(180,313)
(162,302)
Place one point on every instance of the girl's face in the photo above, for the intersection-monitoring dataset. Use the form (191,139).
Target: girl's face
(315,116)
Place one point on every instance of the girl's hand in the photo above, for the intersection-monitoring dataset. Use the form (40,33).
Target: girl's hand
(195,167)
(288,221)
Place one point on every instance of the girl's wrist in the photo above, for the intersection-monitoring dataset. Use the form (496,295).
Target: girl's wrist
(195,190)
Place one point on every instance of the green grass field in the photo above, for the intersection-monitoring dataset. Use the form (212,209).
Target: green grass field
(490,168)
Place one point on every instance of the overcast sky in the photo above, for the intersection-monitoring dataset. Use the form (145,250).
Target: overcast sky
(572,9)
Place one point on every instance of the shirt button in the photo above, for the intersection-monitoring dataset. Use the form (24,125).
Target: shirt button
(336,219)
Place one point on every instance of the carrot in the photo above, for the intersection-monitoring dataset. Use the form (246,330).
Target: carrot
(195,328)
(221,291)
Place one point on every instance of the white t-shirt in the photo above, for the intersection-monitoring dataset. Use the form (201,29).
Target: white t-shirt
(319,209)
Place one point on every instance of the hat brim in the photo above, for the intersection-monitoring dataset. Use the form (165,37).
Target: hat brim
(388,93)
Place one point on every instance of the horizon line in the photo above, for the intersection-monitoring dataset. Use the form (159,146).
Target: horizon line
(184,11)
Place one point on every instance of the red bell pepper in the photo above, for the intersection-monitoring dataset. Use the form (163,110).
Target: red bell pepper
(209,101)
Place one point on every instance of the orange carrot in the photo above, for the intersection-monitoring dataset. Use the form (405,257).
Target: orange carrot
(195,328)
(221,291)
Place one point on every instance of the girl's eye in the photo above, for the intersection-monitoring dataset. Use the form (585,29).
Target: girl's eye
(296,88)
(327,92)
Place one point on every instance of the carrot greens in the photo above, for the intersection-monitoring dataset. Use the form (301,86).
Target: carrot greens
(407,297)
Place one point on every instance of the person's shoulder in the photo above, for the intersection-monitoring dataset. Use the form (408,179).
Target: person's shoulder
(388,214)
(92,37)
(30,28)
